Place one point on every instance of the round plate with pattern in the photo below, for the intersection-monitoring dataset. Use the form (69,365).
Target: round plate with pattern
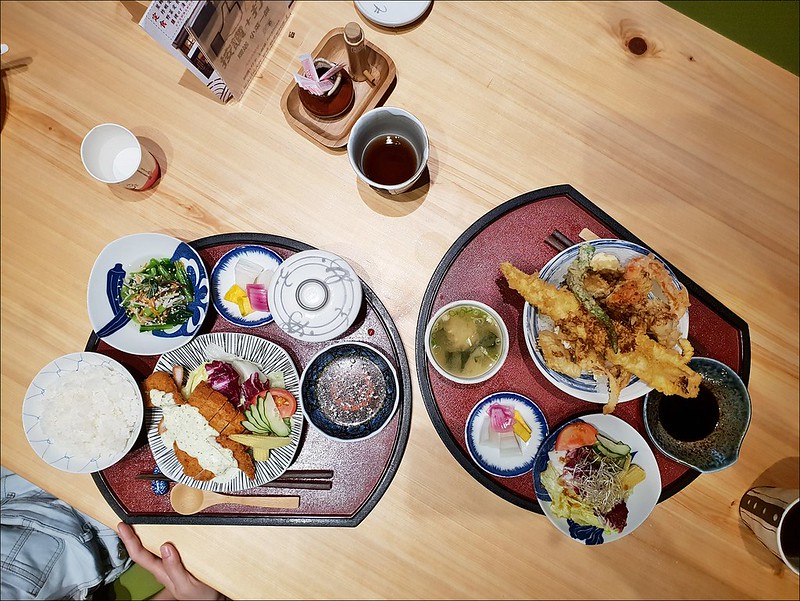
(269,357)
(641,501)
(586,387)
(489,457)
(315,295)
(104,296)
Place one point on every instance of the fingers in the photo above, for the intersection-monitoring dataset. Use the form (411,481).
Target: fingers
(140,555)
(185,586)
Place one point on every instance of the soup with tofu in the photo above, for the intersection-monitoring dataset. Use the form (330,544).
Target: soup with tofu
(466,341)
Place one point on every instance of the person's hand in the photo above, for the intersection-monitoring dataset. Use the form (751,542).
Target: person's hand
(168,569)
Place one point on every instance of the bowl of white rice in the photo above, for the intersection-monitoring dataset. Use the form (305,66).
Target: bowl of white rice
(82,412)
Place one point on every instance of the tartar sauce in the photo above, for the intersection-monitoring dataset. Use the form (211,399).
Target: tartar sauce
(189,429)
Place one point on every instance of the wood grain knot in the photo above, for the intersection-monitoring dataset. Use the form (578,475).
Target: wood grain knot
(637,45)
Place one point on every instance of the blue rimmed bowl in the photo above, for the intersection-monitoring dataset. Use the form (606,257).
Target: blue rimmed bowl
(349,391)
(223,276)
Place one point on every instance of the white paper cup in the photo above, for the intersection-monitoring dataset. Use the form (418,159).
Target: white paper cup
(112,155)
(387,121)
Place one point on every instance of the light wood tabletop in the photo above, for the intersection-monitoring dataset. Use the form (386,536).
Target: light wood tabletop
(691,145)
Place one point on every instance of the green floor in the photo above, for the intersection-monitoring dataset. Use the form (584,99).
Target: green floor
(767,27)
(135,584)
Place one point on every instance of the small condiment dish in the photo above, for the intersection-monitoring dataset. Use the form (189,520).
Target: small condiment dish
(705,433)
(492,315)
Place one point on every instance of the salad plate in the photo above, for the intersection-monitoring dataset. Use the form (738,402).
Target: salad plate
(349,391)
(640,502)
(315,296)
(488,456)
(73,441)
(112,278)
(230,270)
(269,357)
(586,387)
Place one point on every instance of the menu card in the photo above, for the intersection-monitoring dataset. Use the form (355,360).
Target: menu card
(222,42)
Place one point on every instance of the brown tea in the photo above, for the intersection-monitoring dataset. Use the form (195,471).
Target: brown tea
(389,160)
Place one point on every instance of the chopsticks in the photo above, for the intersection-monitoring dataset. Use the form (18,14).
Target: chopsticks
(303,479)
(560,241)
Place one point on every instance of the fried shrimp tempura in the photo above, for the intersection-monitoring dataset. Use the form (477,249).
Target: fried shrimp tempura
(646,329)
(556,303)
(662,368)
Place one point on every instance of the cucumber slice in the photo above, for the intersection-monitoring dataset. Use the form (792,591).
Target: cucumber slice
(274,418)
(251,426)
(614,449)
(254,418)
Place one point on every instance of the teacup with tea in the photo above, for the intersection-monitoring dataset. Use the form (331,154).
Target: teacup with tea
(388,149)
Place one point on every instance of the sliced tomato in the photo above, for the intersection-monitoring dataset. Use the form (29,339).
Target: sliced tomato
(284,400)
(254,399)
(579,434)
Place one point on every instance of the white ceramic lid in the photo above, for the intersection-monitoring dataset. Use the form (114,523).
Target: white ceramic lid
(315,295)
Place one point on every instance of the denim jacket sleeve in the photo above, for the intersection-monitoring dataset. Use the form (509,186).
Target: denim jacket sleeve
(49,549)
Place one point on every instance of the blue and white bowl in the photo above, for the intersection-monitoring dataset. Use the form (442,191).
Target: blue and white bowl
(489,458)
(554,272)
(349,391)
(81,367)
(127,255)
(223,276)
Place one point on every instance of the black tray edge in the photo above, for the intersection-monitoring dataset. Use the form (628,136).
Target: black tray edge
(435,282)
(404,410)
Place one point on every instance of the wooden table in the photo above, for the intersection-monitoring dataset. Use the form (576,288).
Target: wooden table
(692,145)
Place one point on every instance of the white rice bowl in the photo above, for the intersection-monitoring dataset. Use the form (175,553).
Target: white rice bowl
(83,412)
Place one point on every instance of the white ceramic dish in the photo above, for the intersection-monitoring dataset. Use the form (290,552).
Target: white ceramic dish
(586,387)
(124,256)
(315,295)
(395,13)
(503,333)
(642,500)
(223,276)
(269,357)
(489,458)
(36,404)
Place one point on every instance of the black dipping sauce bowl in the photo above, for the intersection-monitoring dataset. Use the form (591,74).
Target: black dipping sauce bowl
(706,432)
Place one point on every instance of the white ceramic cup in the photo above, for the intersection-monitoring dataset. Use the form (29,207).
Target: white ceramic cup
(383,121)
(112,155)
(772,514)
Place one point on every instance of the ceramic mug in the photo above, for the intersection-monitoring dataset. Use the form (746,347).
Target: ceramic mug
(388,149)
(113,155)
(773,514)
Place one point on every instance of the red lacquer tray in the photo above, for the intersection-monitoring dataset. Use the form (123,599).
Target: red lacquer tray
(362,470)
(515,231)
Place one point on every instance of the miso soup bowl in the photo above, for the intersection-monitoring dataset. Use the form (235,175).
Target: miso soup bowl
(503,341)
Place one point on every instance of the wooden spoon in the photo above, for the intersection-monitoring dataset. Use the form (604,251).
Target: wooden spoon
(187,500)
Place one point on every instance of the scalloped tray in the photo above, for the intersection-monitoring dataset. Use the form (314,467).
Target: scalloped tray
(515,231)
(362,470)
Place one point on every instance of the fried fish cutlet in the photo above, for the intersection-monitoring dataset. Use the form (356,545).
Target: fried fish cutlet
(214,407)
(662,368)
(161,380)
(226,420)
(558,304)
